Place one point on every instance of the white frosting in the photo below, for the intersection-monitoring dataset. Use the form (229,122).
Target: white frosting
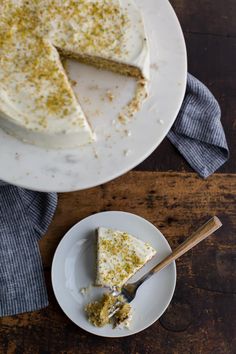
(42,109)
(137,41)
(120,255)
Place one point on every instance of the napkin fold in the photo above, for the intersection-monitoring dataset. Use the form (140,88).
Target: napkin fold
(24,218)
(197,132)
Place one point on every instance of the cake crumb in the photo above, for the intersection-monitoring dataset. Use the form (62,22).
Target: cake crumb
(136,103)
(93,87)
(127,153)
(110,95)
(99,312)
(83,291)
(87,100)
(122,118)
(17,156)
(95,154)
(97,112)
(73,83)
(127,132)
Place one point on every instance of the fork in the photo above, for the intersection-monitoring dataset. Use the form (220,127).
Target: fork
(129,291)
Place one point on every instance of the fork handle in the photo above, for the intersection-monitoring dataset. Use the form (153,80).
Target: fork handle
(201,234)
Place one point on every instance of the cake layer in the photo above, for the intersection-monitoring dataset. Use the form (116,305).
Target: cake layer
(112,30)
(37,103)
(119,256)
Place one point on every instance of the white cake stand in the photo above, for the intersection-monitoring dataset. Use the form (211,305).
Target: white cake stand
(118,148)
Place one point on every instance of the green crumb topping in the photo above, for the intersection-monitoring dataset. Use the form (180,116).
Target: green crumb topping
(120,255)
(32,32)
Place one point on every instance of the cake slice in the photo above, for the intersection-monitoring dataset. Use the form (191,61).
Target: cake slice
(119,256)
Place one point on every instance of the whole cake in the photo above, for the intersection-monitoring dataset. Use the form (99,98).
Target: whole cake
(37,103)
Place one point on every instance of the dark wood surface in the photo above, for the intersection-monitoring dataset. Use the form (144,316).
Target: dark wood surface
(201,318)
(202,315)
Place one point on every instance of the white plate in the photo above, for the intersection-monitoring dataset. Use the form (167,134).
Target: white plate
(74,267)
(119,148)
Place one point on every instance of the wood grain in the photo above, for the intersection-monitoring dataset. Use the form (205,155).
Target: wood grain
(192,241)
(201,318)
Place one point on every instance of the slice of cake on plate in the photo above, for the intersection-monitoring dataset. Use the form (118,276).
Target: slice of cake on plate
(119,256)
(37,103)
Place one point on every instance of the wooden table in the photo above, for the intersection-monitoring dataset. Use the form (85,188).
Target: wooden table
(202,315)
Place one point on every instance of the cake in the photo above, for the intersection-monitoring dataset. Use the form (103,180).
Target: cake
(37,102)
(99,311)
(119,256)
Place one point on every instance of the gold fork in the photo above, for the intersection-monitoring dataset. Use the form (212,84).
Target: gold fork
(129,291)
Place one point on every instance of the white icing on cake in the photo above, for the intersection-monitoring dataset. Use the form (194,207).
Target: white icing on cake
(119,256)
(37,103)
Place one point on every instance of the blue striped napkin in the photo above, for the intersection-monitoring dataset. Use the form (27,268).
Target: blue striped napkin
(24,218)
(198,133)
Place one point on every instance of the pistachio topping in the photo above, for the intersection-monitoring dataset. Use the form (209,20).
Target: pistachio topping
(30,32)
(37,102)
(119,255)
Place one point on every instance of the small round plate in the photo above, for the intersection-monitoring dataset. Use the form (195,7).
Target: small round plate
(119,147)
(74,268)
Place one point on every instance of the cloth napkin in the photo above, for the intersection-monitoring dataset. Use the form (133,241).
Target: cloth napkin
(198,133)
(24,218)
